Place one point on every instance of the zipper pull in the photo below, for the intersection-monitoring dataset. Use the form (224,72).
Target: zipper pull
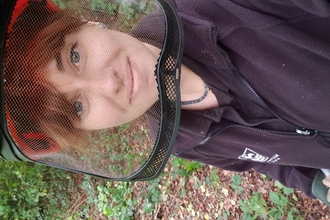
(305,132)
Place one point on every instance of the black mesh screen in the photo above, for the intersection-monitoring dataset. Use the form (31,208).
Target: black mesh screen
(90,88)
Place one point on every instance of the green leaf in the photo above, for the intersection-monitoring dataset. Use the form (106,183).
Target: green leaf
(129,202)
(244,207)
(274,197)
(287,191)
(247,216)
(278,214)
(272,212)
(237,179)
(279,185)
(236,188)
(182,173)
(290,216)
(147,207)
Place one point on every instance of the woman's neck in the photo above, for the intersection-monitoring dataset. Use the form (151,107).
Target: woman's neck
(192,88)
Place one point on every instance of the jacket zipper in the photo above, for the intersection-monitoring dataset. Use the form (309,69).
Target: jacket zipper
(298,130)
(216,130)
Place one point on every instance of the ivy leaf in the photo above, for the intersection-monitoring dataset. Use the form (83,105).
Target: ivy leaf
(287,191)
(274,198)
(237,179)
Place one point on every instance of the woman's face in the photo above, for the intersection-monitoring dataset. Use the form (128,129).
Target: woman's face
(108,76)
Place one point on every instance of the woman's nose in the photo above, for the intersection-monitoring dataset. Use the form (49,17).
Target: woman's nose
(106,83)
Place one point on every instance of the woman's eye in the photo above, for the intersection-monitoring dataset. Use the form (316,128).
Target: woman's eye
(78,107)
(74,55)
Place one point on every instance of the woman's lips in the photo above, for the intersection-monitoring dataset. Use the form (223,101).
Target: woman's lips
(135,79)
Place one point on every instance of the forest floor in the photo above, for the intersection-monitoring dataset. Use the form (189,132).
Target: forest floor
(207,203)
(211,193)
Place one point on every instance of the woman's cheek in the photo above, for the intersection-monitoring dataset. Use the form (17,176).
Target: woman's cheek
(100,115)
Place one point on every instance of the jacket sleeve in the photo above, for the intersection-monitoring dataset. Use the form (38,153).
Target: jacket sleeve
(289,176)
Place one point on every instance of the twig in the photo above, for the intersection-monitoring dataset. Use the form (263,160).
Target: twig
(76,205)
(155,217)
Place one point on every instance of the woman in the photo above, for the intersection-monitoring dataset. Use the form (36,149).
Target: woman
(254,85)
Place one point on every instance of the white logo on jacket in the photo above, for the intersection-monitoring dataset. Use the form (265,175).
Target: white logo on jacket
(254,156)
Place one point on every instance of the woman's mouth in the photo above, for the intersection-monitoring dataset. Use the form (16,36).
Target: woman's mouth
(134,80)
(131,90)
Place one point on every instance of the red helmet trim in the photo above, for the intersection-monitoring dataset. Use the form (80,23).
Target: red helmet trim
(19,8)
(32,136)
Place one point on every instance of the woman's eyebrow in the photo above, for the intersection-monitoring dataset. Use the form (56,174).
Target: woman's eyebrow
(59,63)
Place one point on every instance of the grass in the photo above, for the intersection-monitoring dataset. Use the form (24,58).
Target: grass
(31,191)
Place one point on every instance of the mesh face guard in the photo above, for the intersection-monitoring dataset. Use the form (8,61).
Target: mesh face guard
(91,88)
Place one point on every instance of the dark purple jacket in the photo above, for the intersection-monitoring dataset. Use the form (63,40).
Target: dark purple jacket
(279,49)
(282,48)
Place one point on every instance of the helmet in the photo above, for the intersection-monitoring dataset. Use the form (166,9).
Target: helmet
(123,56)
